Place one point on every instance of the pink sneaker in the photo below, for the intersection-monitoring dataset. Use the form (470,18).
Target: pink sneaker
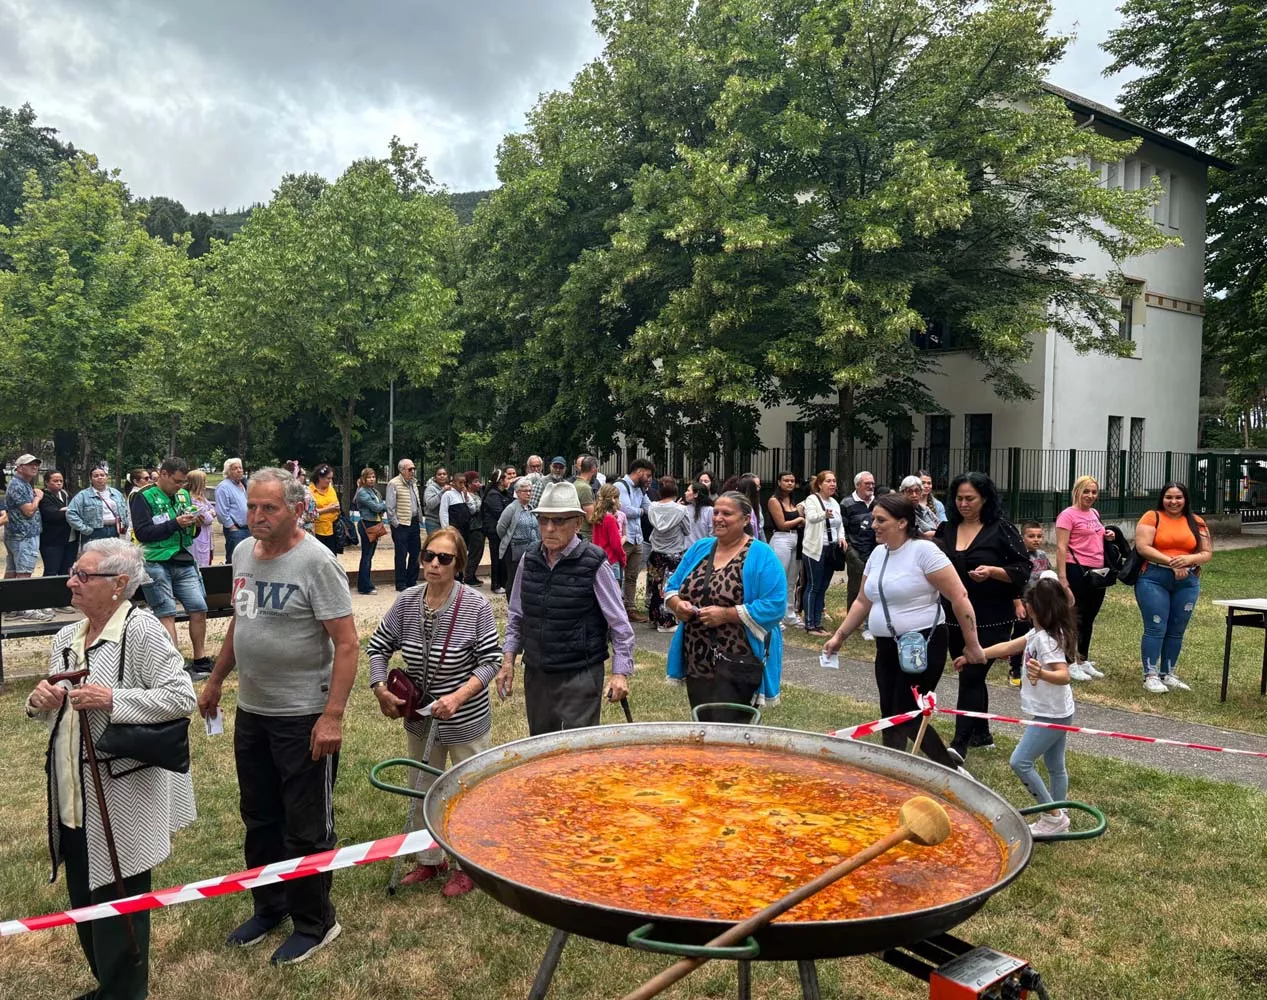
(459,884)
(424,873)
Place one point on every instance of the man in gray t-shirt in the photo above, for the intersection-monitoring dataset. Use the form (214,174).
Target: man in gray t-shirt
(280,607)
(293,640)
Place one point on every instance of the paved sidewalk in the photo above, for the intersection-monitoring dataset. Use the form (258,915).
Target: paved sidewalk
(856,679)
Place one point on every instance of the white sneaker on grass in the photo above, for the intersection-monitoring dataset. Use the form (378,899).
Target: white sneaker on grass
(1174,683)
(1088,667)
(1153,685)
(1050,823)
(1077,673)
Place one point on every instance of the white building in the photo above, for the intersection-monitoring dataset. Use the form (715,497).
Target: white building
(1115,407)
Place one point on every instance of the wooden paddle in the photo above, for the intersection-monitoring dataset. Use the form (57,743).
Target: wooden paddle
(923,821)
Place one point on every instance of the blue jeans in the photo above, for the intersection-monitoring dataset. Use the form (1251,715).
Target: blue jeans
(1166,605)
(817,580)
(1048,744)
(364,585)
(172,581)
(232,537)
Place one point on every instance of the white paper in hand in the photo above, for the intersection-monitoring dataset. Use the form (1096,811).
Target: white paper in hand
(426,711)
(831,662)
(215,723)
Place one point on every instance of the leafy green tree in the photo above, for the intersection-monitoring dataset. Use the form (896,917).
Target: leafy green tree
(25,146)
(333,290)
(1204,76)
(90,310)
(866,170)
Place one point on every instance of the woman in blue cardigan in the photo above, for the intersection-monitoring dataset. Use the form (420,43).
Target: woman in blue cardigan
(730,593)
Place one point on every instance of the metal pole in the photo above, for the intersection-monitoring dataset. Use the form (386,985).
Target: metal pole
(391,429)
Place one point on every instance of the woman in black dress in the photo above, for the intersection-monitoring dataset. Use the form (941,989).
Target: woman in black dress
(987,552)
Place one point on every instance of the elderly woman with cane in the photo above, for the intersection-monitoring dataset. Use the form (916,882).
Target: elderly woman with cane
(110,817)
(445,631)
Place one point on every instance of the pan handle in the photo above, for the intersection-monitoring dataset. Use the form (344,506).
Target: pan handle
(730,706)
(641,939)
(1101,824)
(383,786)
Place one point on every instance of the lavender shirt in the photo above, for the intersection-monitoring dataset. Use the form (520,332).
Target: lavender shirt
(609,600)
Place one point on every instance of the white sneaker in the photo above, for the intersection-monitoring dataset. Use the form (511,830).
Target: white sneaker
(1153,685)
(1077,673)
(668,629)
(1174,683)
(867,636)
(40,615)
(1049,823)
(1088,667)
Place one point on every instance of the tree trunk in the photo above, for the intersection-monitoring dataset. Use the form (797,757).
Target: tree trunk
(244,434)
(85,453)
(173,447)
(120,428)
(345,429)
(844,437)
(65,448)
(1249,413)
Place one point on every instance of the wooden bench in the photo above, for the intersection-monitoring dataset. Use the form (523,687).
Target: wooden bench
(38,592)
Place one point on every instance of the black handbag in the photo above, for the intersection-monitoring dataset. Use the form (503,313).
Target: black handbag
(151,744)
(833,555)
(1135,563)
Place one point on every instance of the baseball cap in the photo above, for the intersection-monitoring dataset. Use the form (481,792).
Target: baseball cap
(558,460)
(26,459)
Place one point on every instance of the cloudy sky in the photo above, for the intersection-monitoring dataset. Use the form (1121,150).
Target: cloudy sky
(211,103)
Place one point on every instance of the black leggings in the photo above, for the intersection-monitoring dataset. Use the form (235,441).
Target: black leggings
(974,695)
(1087,600)
(895,694)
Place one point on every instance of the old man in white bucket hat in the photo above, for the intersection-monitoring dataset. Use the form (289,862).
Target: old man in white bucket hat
(565,608)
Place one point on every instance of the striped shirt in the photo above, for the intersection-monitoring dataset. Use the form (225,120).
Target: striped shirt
(474,650)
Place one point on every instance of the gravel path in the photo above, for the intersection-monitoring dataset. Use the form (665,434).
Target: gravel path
(856,680)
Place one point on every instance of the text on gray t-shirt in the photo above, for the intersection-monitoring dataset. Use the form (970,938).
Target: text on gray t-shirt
(284,655)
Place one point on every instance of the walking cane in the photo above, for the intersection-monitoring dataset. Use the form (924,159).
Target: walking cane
(85,732)
(394,881)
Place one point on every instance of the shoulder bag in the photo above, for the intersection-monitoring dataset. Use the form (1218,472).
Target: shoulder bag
(737,677)
(912,647)
(1134,564)
(151,744)
(405,687)
(1102,577)
(833,554)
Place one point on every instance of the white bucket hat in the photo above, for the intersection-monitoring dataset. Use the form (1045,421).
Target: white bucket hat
(559,498)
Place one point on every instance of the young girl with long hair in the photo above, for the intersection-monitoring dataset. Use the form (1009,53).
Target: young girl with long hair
(1046,694)
(608,535)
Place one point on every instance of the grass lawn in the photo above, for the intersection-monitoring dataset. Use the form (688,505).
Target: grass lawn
(1169,903)
(1115,649)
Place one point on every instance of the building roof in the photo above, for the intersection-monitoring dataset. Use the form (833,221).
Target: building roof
(1100,112)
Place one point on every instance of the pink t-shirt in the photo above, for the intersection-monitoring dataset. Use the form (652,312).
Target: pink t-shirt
(1086,535)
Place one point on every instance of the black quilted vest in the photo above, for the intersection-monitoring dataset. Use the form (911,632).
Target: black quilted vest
(563,626)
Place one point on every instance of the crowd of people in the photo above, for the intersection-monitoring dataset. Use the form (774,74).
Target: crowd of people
(726,574)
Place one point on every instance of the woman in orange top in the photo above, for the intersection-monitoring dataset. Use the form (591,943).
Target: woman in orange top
(1175,544)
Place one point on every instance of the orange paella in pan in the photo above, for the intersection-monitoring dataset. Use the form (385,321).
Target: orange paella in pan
(713,833)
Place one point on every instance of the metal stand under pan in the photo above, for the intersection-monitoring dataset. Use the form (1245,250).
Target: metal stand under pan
(953,969)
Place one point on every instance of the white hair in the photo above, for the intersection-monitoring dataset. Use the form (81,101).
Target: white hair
(521,482)
(400,466)
(229,463)
(293,491)
(857,480)
(120,557)
(911,481)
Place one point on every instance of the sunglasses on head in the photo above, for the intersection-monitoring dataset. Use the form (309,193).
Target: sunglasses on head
(443,558)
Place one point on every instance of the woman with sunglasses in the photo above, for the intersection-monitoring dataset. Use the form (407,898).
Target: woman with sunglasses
(444,631)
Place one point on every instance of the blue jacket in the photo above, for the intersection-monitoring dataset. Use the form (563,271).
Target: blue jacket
(85,513)
(762,611)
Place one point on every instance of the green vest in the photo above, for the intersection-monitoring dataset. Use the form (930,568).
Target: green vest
(160,503)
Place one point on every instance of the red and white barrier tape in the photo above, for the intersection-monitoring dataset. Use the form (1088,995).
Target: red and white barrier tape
(282,871)
(928,705)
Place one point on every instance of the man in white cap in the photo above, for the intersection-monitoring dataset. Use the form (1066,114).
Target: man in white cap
(564,608)
(22,530)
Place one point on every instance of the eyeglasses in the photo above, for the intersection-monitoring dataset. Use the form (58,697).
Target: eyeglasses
(554,522)
(83,576)
(443,558)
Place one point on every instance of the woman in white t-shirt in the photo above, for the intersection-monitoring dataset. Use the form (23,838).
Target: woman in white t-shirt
(910,575)
(1046,694)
